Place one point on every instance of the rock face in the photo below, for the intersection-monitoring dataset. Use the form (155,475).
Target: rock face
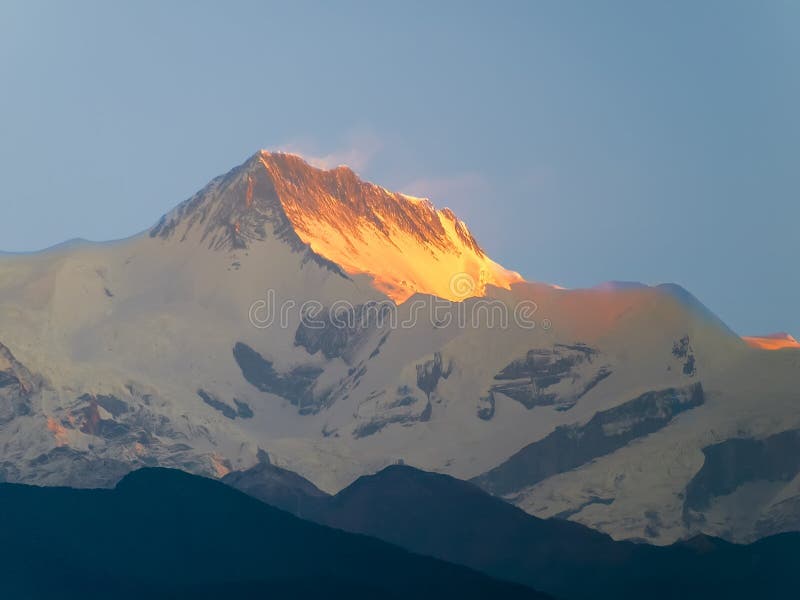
(544,377)
(262,316)
(295,385)
(17,387)
(342,333)
(755,470)
(571,446)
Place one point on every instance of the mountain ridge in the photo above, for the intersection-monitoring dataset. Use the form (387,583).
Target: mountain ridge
(162,533)
(437,515)
(358,226)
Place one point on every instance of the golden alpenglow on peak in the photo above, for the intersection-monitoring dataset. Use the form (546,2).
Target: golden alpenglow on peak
(773,341)
(405,244)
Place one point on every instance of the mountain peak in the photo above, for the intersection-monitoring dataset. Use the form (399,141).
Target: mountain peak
(403,243)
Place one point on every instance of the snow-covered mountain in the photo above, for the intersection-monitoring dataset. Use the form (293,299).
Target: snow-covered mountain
(331,326)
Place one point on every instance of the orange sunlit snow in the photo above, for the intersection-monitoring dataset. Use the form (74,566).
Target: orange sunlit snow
(776,341)
(58,431)
(404,243)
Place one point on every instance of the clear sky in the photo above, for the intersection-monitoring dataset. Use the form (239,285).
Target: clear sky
(581,141)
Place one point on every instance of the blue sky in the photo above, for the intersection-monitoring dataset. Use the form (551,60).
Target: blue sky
(581,141)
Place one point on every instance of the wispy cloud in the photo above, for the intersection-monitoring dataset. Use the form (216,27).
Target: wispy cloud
(357,151)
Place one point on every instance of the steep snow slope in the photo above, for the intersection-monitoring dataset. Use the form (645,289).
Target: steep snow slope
(403,243)
(253,321)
